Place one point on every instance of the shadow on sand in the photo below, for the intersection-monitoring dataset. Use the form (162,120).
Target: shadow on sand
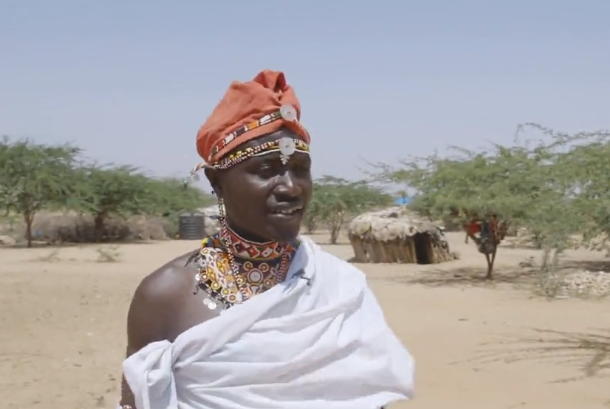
(523,273)
(465,276)
(50,246)
(588,353)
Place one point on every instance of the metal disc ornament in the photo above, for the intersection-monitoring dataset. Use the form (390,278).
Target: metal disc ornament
(288,113)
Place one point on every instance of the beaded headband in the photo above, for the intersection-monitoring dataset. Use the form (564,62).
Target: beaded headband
(286,146)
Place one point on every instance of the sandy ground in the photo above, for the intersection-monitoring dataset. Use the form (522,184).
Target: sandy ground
(477,346)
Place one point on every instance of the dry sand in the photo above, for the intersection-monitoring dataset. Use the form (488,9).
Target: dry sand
(477,346)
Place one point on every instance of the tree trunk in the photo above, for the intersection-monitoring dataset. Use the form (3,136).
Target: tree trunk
(335,228)
(334,233)
(98,226)
(310,225)
(28,217)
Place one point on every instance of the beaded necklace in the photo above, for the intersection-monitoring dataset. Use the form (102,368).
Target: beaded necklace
(232,269)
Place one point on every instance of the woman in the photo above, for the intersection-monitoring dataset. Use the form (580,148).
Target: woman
(260,317)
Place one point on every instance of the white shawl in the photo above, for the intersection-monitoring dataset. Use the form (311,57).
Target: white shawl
(319,340)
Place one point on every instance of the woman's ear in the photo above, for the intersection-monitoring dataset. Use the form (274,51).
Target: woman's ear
(214,179)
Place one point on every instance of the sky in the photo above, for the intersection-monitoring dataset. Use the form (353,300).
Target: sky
(132,81)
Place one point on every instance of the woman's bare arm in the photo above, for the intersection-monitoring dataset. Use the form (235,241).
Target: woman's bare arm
(127,399)
(151,309)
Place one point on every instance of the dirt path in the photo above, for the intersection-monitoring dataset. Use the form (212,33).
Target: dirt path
(62,316)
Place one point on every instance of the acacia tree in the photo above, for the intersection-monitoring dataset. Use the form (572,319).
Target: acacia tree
(105,191)
(312,216)
(582,170)
(519,184)
(336,199)
(122,191)
(328,207)
(34,177)
(173,196)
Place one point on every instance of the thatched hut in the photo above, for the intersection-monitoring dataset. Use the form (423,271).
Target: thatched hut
(398,235)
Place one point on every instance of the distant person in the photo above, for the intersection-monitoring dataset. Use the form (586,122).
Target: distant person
(260,318)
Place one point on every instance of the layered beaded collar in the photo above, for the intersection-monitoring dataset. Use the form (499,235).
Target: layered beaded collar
(249,250)
(231,274)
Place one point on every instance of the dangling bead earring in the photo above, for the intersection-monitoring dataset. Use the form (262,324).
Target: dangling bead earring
(221,210)
(226,238)
(222,219)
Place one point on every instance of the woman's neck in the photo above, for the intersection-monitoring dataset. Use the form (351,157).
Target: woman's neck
(246,236)
(258,249)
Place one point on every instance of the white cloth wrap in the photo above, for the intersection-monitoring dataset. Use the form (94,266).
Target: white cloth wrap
(319,340)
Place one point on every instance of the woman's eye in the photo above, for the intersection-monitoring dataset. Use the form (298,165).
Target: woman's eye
(266,171)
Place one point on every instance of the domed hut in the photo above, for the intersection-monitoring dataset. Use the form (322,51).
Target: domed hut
(398,235)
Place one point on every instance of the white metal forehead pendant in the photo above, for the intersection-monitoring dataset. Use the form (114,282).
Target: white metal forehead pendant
(287,147)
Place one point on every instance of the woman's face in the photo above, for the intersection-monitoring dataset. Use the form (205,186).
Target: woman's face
(264,199)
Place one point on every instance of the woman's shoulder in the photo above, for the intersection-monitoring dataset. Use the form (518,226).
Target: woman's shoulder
(162,285)
(165,280)
(164,295)
(156,302)
(161,291)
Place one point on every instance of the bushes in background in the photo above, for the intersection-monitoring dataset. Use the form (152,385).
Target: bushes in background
(60,198)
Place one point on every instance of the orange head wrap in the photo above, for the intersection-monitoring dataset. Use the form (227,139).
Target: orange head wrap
(242,106)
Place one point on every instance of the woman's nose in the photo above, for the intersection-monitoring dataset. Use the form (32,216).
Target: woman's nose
(288,185)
